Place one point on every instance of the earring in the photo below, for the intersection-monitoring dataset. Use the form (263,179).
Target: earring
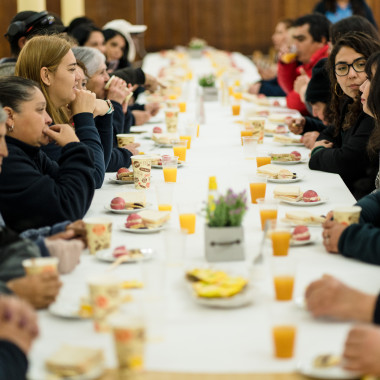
(336,91)
(11,128)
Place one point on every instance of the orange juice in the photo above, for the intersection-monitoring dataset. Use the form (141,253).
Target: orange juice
(235,109)
(284,337)
(257,190)
(262,161)
(283,286)
(280,242)
(238,95)
(170,174)
(230,90)
(267,214)
(182,106)
(164,207)
(245,134)
(188,138)
(180,152)
(187,222)
(197,130)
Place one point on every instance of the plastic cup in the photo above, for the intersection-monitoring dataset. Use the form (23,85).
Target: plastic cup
(280,237)
(175,244)
(235,108)
(283,272)
(142,165)
(171,119)
(124,139)
(105,299)
(257,188)
(40,265)
(179,149)
(187,217)
(249,147)
(169,168)
(164,193)
(182,106)
(187,139)
(99,233)
(260,161)
(245,133)
(267,209)
(257,124)
(347,215)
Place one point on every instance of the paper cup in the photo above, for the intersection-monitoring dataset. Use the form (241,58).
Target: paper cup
(104,298)
(129,339)
(142,166)
(171,119)
(40,265)
(347,215)
(257,124)
(99,232)
(124,139)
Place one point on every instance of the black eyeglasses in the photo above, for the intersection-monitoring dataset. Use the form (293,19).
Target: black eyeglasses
(342,69)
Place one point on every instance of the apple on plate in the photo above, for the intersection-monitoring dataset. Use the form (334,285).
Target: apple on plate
(296,154)
(134,221)
(310,196)
(118,203)
(301,233)
(157,130)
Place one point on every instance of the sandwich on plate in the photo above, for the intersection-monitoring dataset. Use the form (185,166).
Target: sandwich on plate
(288,192)
(136,197)
(275,172)
(154,218)
(303,217)
(286,139)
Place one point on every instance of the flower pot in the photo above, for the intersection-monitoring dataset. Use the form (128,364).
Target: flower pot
(224,243)
(195,52)
(210,94)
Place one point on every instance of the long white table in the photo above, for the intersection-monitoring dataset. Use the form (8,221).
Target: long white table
(197,339)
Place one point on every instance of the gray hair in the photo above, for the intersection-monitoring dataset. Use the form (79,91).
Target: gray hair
(3,115)
(92,58)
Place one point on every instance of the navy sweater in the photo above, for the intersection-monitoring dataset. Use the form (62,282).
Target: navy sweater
(36,191)
(88,134)
(13,362)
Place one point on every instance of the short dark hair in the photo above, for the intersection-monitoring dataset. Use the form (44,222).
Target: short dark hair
(82,32)
(352,24)
(319,26)
(16,90)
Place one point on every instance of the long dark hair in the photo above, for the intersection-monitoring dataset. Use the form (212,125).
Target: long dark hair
(356,5)
(111,33)
(364,45)
(373,64)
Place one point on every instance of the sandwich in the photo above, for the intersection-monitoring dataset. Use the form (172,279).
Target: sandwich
(303,217)
(286,139)
(285,157)
(70,361)
(164,138)
(108,84)
(288,192)
(275,172)
(153,218)
(134,198)
(277,117)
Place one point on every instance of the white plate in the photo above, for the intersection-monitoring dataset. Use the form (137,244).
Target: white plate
(330,373)
(94,374)
(305,204)
(106,255)
(301,161)
(300,302)
(289,143)
(180,164)
(65,309)
(138,231)
(244,298)
(120,182)
(125,211)
(161,145)
(297,243)
(285,180)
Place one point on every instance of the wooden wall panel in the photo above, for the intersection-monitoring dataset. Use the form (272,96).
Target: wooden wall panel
(8,11)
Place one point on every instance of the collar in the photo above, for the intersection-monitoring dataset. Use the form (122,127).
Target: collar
(30,150)
(318,55)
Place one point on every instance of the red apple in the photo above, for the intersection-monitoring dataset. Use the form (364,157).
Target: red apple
(133,220)
(122,170)
(118,203)
(157,130)
(301,233)
(310,196)
(276,103)
(120,251)
(296,154)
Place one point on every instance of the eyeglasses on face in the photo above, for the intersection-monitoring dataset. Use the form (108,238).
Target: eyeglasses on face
(341,69)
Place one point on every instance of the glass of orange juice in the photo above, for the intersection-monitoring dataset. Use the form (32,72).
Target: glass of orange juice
(179,149)
(187,216)
(169,168)
(260,161)
(249,147)
(245,133)
(182,105)
(257,187)
(280,237)
(283,272)
(165,194)
(235,104)
(268,210)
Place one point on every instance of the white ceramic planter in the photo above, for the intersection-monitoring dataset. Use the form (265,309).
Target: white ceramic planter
(224,243)
(210,94)
(195,53)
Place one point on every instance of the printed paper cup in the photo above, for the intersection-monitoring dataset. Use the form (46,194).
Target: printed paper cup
(124,139)
(142,166)
(171,119)
(347,215)
(99,232)
(257,124)
(40,265)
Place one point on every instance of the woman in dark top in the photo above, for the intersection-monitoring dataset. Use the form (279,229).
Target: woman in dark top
(34,190)
(342,147)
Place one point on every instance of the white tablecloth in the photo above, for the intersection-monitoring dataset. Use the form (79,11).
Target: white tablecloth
(196,338)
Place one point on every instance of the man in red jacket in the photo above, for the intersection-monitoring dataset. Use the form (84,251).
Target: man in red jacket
(310,37)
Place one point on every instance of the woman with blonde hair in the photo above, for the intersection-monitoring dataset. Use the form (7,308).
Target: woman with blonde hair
(49,61)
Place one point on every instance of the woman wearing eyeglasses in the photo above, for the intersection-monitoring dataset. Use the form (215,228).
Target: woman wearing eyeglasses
(342,147)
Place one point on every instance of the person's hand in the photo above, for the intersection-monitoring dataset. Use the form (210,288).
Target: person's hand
(151,83)
(67,252)
(295,126)
(18,322)
(301,81)
(118,90)
(84,102)
(101,107)
(254,88)
(132,147)
(39,289)
(62,134)
(141,117)
(331,234)
(152,108)
(324,143)
(309,139)
(79,229)
(329,297)
(362,350)
(268,73)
